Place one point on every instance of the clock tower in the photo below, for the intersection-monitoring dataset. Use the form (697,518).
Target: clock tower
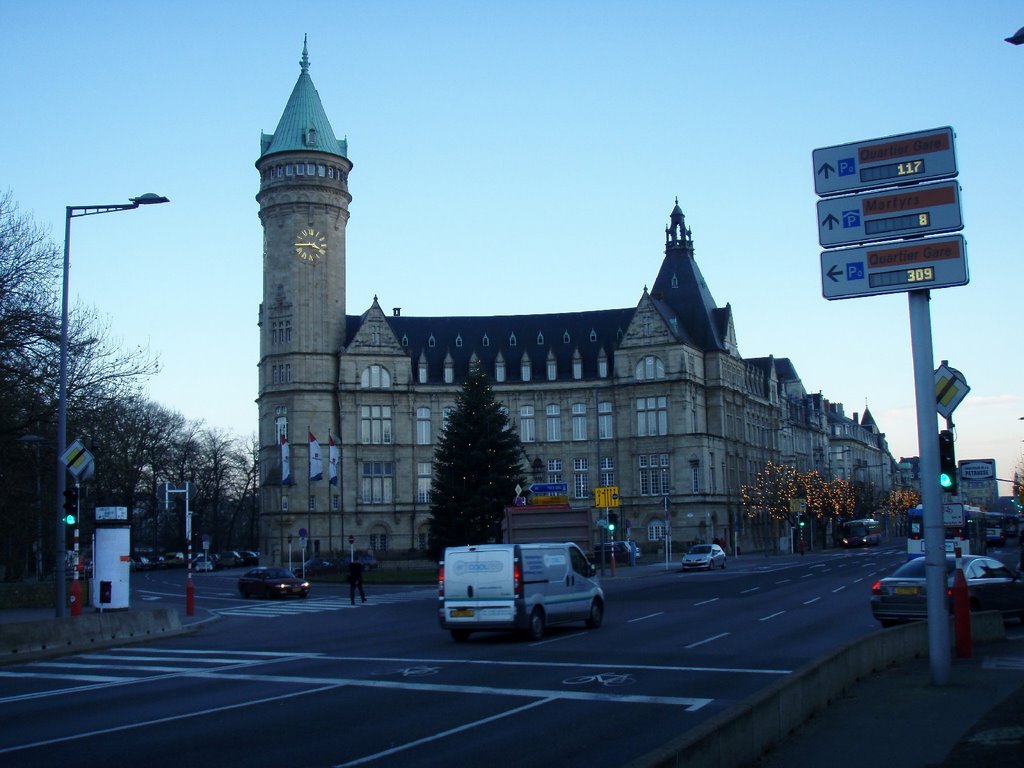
(304,203)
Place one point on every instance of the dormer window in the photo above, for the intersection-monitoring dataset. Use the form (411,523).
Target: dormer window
(540,339)
(458,340)
(431,342)
(311,137)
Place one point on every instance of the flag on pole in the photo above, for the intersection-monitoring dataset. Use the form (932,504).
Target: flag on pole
(316,464)
(286,468)
(332,460)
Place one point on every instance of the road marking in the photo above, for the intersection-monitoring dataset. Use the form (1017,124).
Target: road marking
(784,581)
(648,616)
(807,576)
(838,589)
(557,639)
(748,591)
(705,602)
(707,640)
(158,721)
(812,600)
(771,616)
(443,734)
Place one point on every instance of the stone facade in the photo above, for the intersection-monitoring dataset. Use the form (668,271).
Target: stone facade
(653,399)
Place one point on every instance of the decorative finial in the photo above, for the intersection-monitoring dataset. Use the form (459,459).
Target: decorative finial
(304,61)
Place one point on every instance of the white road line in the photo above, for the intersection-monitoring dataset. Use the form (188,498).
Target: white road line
(557,639)
(812,600)
(706,640)
(705,602)
(838,589)
(644,618)
(807,576)
(443,734)
(748,591)
(170,719)
(771,616)
(784,581)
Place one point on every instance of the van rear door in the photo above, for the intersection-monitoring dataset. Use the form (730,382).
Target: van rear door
(479,585)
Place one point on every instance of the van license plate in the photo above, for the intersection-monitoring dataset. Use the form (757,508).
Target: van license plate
(461,613)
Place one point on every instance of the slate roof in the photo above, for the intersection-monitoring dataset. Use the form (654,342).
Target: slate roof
(304,125)
(680,291)
(561,335)
(680,295)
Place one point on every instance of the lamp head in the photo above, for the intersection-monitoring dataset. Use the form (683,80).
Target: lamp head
(149,199)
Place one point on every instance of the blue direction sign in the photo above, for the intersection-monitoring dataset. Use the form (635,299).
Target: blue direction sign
(919,210)
(936,262)
(557,488)
(907,158)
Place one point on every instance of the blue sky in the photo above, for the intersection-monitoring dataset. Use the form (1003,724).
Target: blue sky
(524,157)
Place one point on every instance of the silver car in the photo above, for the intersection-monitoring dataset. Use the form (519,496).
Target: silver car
(704,556)
(901,597)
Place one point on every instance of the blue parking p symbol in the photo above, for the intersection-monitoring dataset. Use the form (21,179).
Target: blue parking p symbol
(855,270)
(847,166)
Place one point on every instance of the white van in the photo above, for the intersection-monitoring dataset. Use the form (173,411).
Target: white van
(523,587)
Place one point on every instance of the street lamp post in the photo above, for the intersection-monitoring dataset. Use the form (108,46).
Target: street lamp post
(60,543)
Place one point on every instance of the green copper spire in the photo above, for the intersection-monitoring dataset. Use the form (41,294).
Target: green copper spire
(304,126)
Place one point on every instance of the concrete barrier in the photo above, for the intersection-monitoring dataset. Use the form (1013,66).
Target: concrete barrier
(29,640)
(743,733)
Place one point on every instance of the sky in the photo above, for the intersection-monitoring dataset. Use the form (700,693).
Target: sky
(523,157)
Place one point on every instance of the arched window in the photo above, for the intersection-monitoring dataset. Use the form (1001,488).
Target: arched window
(650,368)
(375,377)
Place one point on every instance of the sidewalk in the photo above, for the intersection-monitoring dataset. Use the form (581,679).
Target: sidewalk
(898,717)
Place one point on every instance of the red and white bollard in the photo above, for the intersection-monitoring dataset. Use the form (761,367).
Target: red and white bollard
(961,610)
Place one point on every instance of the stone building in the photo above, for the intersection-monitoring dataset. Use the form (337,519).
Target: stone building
(654,399)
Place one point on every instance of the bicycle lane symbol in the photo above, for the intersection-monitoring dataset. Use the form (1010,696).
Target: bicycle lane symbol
(606,679)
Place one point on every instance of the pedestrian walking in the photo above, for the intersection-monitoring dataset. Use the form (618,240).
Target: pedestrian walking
(355,579)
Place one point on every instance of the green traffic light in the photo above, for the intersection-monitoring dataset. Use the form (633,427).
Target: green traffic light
(945,480)
(69,519)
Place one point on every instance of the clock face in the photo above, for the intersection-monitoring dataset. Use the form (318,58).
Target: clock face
(310,245)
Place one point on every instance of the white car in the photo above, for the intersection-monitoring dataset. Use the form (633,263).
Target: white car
(706,556)
(202,563)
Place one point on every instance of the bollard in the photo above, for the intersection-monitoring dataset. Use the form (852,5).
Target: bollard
(961,610)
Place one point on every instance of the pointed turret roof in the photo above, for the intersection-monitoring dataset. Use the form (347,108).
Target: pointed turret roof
(680,290)
(304,125)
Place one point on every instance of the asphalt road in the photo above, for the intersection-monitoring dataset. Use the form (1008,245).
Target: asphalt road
(319,682)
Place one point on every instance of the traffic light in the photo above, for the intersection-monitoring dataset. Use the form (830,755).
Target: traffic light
(70,505)
(613,520)
(947,462)
(802,521)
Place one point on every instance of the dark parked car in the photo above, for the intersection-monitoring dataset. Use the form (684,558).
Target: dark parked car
(621,550)
(271,582)
(318,565)
(901,597)
(250,558)
(368,559)
(229,559)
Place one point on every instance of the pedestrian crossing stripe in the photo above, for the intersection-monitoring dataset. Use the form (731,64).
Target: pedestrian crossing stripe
(313,605)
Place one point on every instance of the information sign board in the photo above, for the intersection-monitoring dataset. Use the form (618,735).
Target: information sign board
(907,158)
(937,262)
(866,218)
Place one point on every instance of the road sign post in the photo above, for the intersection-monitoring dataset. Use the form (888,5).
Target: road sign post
(907,208)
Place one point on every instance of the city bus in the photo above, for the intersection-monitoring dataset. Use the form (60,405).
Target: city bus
(966,528)
(865,532)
